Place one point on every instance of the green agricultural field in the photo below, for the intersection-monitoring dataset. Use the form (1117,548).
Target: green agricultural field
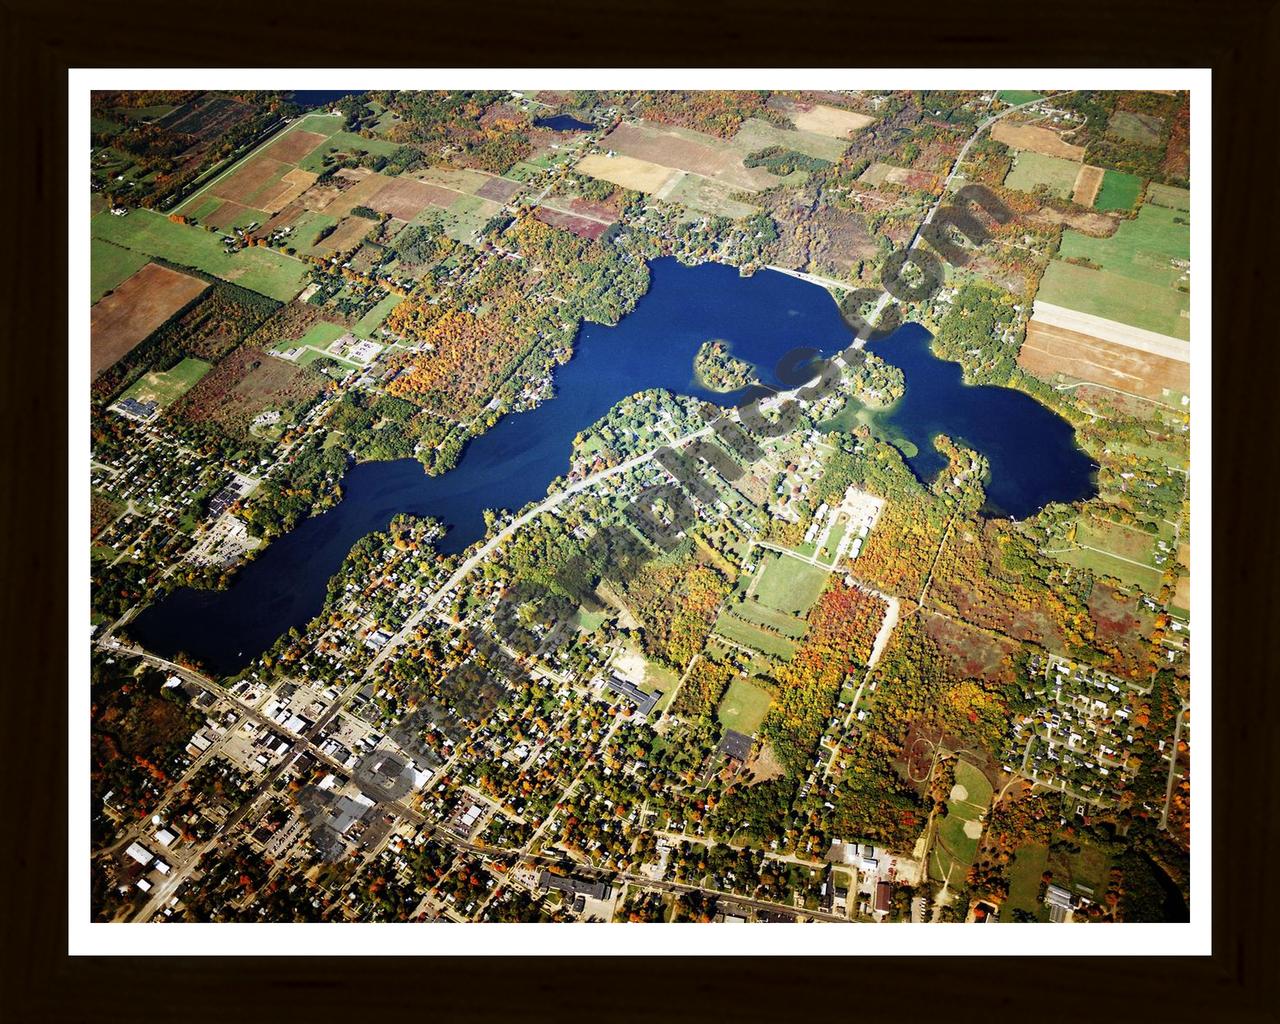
(167,387)
(258,269)
(1135,276)
(307,228)
(321,124)
(761,615)
(735,629)
(372,320)
(200,207)
(789,585)
(344,143)
(743,707)
(1028,865)
(1032,169)
(1118,192)
(109,265)
(1169,196)
(1017,97)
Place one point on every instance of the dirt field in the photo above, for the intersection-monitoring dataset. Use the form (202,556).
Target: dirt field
(292,185)
(1088,181)
(292,147)
(460,179)
(1182,592)
(246,182)
(1097,225)
(405,198)
(687,151)
(352,187)
(229,214)
(1050,350)
(1038,140)
(500,190)
(830,121)
(136,308)
(628,172)
(580,226)
(346,235)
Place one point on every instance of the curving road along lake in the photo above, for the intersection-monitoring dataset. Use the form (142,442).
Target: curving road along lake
(1032,451)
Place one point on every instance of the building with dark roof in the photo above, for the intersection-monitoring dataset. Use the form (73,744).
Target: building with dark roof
(735,745)
(884,897)
(644,702)
(574,886)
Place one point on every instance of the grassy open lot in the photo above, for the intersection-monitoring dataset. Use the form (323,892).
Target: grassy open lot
(372,320)
(464,219)
(1119,191)
(258,269)
(1029,863)
(167,387)
(755,135)
(788,584)
(707,195)
(1032,169)
(322,334)
(735,629)
(1134,277)
(109,265)
(1169,196)
(1110,549)
(1085,872)
(1017,97)
(762,615)
(345,143)
(743,707)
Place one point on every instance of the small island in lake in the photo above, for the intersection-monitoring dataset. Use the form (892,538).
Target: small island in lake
(717,370)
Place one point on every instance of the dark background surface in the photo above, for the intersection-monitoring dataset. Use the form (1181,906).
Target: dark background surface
(1240,40)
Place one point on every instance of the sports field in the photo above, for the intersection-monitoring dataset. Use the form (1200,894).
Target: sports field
(1017,97)
(743,707)
(1139,269)
(956,844)
(109,265)
(1119,191)
(166,388)
(258,269)
(1032,169)
(789,585)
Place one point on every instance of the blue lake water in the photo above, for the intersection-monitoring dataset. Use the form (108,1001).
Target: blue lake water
(563,123)
(1030,449)
(764,317)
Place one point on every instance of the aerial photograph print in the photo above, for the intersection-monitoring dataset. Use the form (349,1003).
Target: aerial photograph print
(657,505)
